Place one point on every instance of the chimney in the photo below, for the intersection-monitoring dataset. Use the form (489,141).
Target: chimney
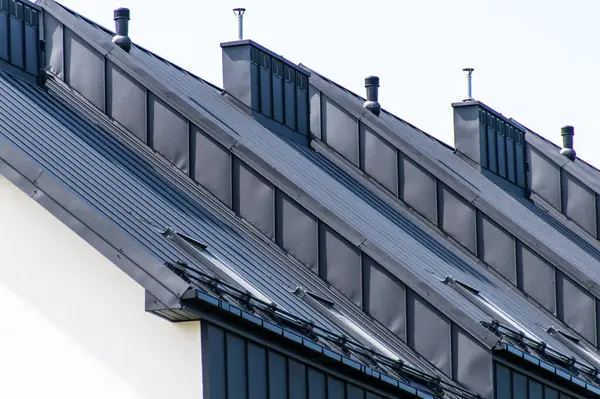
(122,39)
(567,133)
(468,72)
(239,13)
(372,86)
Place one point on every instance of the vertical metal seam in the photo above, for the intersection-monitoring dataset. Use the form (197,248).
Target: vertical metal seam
(363,282)
(105,85)
(247,385)
(149,124)
(596,215)
(399,174)
(23,46)
(8,34)
(477,226)
(561,207)
(438,207)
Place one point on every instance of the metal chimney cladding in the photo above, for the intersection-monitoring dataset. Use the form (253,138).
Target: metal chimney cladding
(122,39)
(372,86)
(239,13)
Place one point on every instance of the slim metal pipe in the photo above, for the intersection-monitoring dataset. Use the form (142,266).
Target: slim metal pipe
(239,13)
(468,72)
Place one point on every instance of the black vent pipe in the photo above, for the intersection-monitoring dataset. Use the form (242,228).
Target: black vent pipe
(372,85)
(567,133)
(122,39)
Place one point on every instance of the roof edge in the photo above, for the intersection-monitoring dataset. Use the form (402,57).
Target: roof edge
(91,226)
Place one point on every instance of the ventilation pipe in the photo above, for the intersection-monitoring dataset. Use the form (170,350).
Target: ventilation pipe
(372,85)
(122,39)
(468,72)
(567,133)
(239,14)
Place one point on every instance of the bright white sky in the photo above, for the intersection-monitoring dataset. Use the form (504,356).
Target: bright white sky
(535,60)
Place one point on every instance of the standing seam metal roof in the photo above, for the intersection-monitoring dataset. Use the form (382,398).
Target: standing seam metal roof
(486,191)
(410,256)
(128,189)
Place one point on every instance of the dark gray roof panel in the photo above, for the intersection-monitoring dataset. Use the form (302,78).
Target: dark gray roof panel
(536,231)
(121,178)
(422,263)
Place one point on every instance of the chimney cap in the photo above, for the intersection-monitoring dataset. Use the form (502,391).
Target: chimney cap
(468,70)
(239,11)
(122,13)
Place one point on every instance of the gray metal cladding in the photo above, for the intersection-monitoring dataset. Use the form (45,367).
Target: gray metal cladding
(384,297)
(126,101)
(277,375)
(54,36)
(544,177)
(512,384)
(84,68)
(212,166)
(472,364)
(340,263)
(418,188)
(317,384)
(17,55)
(429,332)
(339,130)
(578,202)
(266,92)
(315,111)
(244,368)
(536,277)
(335,387)
(257,371)
(214,361)
(237,363)
(169,133)
(297,230)
(277,84)
(575,305)
(289,95)
(354,392)
(456,217)
(496,247)
(254,198)
(4,26)
(379,159)
(297,379)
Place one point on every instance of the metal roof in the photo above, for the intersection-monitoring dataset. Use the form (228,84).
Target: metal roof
(133,188)
(512,212)
(419,259)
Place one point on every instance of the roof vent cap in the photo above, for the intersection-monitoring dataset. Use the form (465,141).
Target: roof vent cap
(239,14)
(567,133)
(468,72)
(122,39)
(372,85)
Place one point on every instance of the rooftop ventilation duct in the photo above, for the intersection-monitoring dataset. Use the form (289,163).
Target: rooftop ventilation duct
(122,39)
(567,133)
(372,86)
(468,72)
(239,14)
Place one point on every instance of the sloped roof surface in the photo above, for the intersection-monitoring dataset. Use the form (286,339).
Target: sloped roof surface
(130,186)
(545,231)
(423,257)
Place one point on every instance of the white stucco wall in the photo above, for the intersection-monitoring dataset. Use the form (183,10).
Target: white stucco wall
(72,325)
